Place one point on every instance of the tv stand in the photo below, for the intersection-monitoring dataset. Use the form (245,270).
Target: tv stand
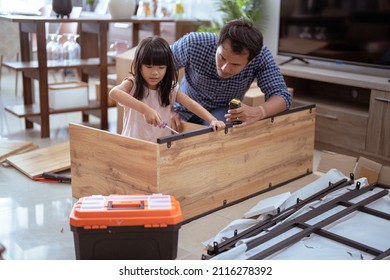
(292,59)
(352,109)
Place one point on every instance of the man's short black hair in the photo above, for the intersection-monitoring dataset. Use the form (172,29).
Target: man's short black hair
(243,35)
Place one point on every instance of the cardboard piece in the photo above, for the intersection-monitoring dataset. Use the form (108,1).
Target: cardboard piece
(384,176)
(205,171)
(123,64)
(110,101)
(329,160)
(369,169)
(51,159)
(254,96)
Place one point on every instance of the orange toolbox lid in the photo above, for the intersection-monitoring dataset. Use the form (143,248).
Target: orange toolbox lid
(150,211)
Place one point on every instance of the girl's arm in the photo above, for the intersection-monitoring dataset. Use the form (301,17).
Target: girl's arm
(198,110)
(121,94)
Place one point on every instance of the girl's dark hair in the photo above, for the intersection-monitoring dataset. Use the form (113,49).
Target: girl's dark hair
(155,51)
(242,35)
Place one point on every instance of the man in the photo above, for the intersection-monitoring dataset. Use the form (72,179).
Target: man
(221,67)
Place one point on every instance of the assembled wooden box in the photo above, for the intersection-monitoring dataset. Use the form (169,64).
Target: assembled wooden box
(202,169)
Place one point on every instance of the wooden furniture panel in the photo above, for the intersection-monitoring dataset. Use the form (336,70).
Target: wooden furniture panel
(106,163)
(13,147)
(339,128)
(204,172)
(352,108)
(378,133)
(49,159)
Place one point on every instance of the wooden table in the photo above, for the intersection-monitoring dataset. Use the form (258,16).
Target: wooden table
(93,42)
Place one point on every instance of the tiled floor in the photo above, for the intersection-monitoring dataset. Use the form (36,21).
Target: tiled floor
(34,216)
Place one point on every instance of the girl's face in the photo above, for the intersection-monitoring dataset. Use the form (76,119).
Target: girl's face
(153,74)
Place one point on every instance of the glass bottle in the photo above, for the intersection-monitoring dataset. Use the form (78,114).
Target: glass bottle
(164,9)
(144,9)
(66,44)
(118,47)
(50,42)
(57,49)
(71,47)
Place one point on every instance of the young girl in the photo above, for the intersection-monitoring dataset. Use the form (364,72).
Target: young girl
(149,93)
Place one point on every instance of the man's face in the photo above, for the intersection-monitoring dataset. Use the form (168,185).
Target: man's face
(229,63)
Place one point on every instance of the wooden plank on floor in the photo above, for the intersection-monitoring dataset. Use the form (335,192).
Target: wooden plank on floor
(14,147)
(51,159)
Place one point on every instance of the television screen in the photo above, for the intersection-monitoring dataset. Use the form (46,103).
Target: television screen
(342,31)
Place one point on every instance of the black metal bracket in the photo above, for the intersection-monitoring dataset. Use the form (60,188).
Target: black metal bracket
(175,137)
(273,220)
(345,200)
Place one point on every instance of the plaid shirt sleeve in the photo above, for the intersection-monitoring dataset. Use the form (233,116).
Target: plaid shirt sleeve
(196,53)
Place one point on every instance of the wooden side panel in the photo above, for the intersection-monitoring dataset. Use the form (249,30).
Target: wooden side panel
(205,171)
(49,159)
(106,163)
(341,128)
(378,134)
(14,147)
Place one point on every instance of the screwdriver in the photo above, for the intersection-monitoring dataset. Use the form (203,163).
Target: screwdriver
(165,125)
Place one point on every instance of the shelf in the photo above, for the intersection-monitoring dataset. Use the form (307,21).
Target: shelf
(332,105)
(348,118)
(96,60)
(52,64)
(332,75)
(352,99)
(34,110)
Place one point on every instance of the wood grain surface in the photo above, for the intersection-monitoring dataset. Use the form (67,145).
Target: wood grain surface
(203,172)
(51,159)
(14,147)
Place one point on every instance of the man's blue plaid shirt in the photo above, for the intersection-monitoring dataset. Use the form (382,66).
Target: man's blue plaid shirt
(196,52)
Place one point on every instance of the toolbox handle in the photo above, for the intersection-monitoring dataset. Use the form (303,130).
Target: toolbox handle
(132,205)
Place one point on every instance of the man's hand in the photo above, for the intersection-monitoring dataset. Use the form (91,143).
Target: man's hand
(246,114)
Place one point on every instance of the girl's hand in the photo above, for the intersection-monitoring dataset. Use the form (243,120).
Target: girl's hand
(152,117)
(217,125)
(176,122)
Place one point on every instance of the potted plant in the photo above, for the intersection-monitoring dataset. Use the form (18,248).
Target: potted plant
(232,9)
(89,5)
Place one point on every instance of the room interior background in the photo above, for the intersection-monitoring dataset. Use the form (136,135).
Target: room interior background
(200,9)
